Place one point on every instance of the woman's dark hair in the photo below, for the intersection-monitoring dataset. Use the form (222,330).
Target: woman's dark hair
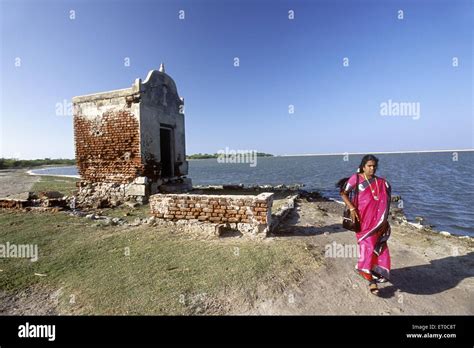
(342,183)
(366,159)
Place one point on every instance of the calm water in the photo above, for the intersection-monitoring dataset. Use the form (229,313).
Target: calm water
(432,185)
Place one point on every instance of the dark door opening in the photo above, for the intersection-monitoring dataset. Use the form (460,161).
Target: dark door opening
(166,152)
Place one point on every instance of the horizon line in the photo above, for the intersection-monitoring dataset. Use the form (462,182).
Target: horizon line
(376,152)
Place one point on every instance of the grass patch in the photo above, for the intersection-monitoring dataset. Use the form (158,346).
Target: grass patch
(64,185)
(144,270)
(126,213)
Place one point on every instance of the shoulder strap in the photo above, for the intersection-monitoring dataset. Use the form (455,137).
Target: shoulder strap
(356,196)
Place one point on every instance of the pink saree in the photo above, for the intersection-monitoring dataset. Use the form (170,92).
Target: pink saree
(373,205)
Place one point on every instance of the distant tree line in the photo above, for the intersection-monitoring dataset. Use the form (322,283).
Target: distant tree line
(6,163)
(208,155)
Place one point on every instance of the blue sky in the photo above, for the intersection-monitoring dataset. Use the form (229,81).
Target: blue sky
(282,62)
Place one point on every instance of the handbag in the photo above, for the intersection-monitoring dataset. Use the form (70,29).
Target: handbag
(347,222)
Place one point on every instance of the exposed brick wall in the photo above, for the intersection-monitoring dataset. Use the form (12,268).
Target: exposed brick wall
(14,203)
(108,148)
(213,208)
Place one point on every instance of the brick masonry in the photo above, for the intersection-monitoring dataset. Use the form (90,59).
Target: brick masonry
(109,150)
(233,210)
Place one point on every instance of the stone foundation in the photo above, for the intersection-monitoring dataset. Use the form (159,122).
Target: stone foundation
(108,194)
(102,195)
(217,214)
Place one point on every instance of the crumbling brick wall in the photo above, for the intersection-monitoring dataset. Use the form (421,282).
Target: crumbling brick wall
(217,209)
(108,147)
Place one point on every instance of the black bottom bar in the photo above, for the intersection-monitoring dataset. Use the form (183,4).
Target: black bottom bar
(366,330)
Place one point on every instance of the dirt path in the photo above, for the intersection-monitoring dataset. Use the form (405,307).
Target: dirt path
(14,181)
(431,273)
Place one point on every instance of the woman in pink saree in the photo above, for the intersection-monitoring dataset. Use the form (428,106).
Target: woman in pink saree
(370,207)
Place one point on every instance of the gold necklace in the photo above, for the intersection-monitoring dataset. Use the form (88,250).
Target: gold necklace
(376,197)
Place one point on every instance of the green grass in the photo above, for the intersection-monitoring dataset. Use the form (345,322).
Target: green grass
(165,273)
(64,185)
(126,213)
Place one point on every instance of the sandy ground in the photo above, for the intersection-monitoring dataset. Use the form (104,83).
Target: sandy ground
(14,181)
(431,273)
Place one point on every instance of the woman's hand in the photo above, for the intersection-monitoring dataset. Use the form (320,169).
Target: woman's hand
(354,215)
(347,201)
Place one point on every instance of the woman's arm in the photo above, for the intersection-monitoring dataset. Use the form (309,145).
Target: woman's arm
(347,201)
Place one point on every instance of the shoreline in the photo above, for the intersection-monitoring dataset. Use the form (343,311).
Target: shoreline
(29,172)
(419,226)
(51,166)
